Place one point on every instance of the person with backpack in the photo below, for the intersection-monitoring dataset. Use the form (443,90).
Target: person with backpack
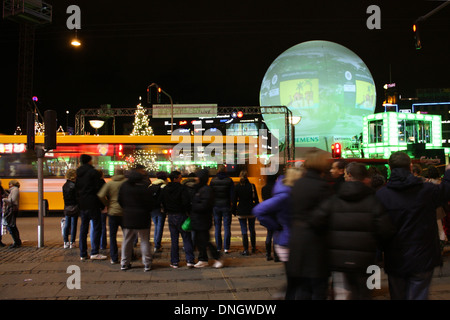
(158,214)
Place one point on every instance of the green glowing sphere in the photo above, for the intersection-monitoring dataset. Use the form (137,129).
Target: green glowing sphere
(327,87)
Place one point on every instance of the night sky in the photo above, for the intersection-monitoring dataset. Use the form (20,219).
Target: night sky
(213,51)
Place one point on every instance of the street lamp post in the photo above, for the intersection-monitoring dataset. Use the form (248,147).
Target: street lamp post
(171,103)
(67,121)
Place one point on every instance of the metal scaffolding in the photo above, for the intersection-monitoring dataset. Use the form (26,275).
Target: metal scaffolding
(81,115)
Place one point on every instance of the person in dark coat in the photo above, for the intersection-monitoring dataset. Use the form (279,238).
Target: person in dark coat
(414,252)
(201,221)
(176,203)
(307,269)
(357,227)
(158,215)
(88,184)
(223,187)
(244,199)
(136,201)
(70,199)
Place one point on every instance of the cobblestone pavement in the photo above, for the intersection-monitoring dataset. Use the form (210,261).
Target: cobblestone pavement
(30,272)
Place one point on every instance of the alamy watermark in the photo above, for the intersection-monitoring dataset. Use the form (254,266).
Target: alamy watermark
(74,280)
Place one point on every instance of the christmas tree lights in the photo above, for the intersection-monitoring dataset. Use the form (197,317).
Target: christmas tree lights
(141,127)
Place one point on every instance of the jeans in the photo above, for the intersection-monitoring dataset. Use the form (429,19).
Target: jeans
(411,287)
(103,242)
(114,223)
(175,221)
(225,213)
(70,226)
(86,216)
(159,219)
(251,226)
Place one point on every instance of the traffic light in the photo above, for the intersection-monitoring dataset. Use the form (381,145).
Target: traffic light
(417,42)
(158,94)
(336,150)
(50,129)
(149,98)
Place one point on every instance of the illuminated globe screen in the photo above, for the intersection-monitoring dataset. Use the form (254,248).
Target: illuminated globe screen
(327,87)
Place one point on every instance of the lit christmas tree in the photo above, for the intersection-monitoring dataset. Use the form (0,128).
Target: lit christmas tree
(142,157)
(140,125)
(147,158)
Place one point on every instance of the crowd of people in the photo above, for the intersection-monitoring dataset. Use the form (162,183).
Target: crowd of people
(331,233)
(132,201)
(328,223)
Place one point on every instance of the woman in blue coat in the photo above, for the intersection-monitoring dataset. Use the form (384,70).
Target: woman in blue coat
(274,213)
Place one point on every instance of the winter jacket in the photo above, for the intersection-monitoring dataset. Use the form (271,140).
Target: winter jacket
(411,204)
(109,195)
(190,184)
(357,227)
(11,204)
(69,193)
(175,198)
(136,202)
(88,183)
(202,204)
(245,198)
(223,187)
(274,213)
(308,254)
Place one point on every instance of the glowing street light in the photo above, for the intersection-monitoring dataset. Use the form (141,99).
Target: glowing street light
(96,124)
(75,42)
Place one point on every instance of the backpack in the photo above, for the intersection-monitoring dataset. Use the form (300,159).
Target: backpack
(155,190)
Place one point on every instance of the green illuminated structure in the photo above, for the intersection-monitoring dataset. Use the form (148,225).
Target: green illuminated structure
(387,132)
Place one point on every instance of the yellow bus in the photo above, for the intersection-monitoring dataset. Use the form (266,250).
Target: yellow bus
(121,151)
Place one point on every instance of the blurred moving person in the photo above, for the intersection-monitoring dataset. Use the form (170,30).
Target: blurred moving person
(357,227)
(307,268)
(414,252)
(275,212)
